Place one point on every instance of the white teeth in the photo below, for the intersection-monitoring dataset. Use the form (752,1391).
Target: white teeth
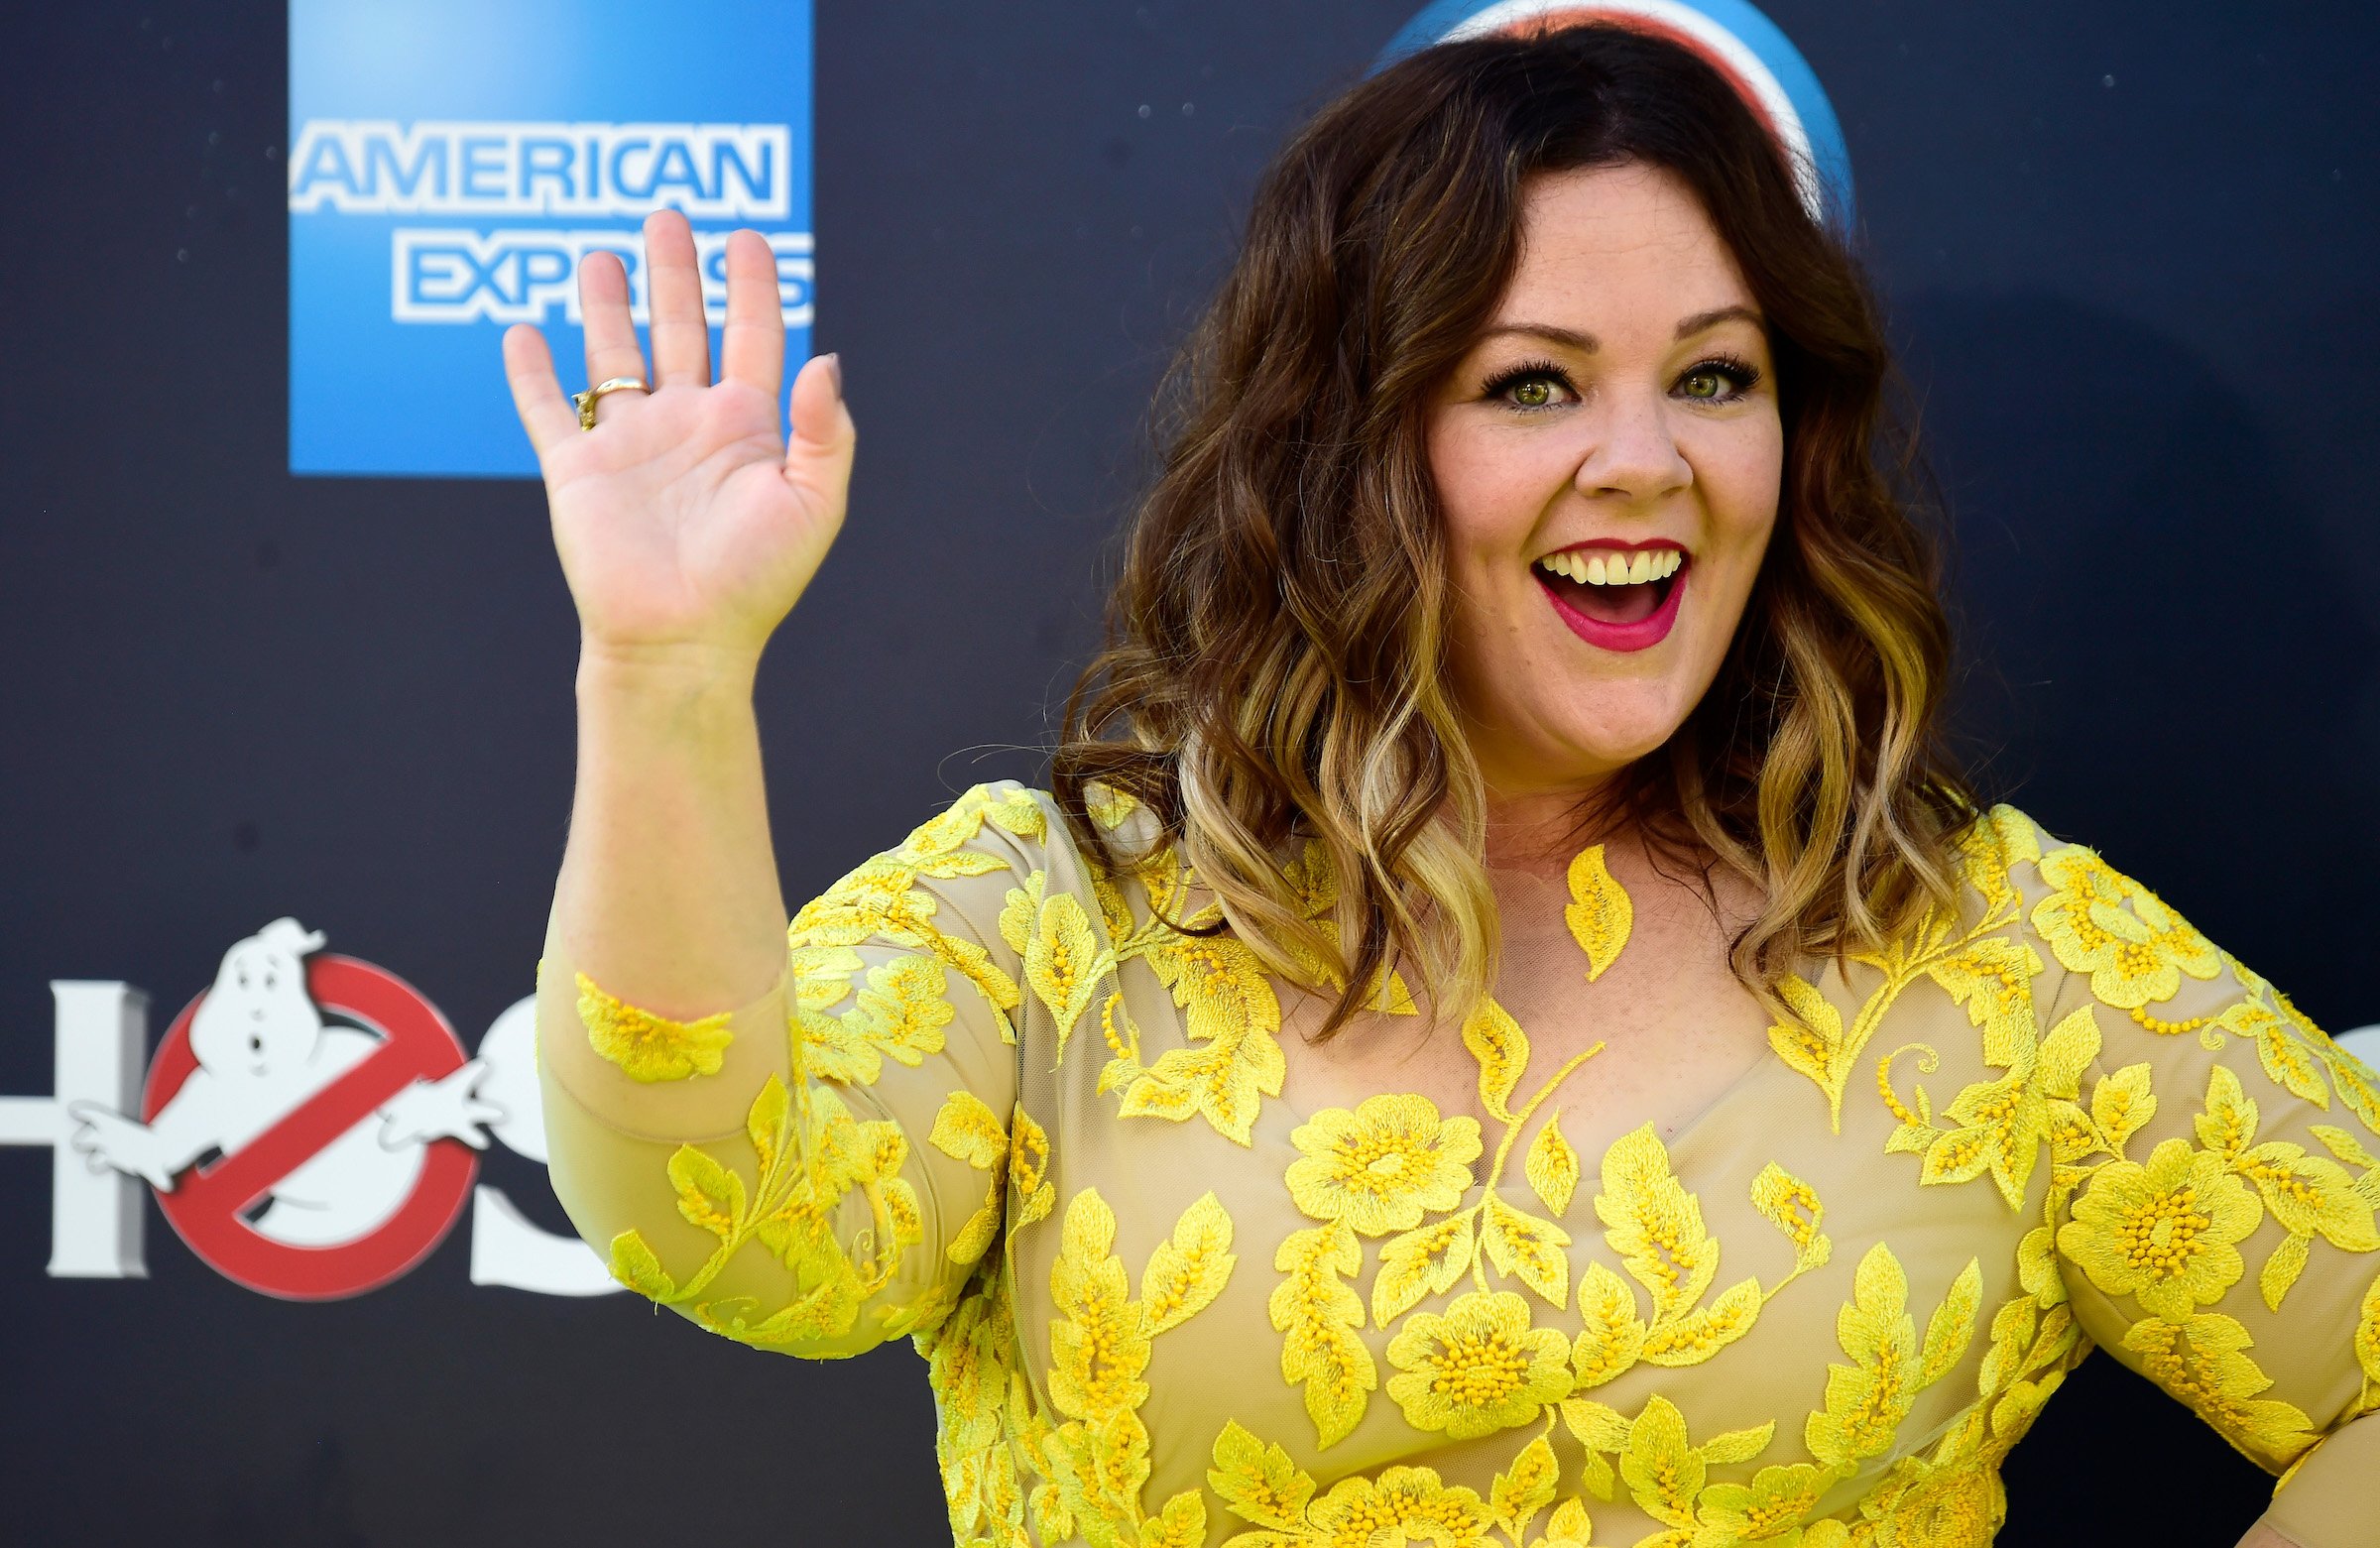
(1595,569)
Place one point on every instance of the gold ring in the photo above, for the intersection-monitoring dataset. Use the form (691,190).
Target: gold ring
(587,400)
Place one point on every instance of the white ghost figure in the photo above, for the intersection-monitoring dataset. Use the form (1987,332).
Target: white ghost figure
(263,1049)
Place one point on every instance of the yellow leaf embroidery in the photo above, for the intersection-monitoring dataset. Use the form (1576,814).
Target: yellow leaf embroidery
(1552,1167)
(1812,1041)
(1951,1327)
(1520,1244)
(1098,1350)
(1792,1206)
(1319,1316)
(900,1017)
(1502,1052)
(1654,1224)
(2121,1103)
(2227,1124)
(1993,977)
(648,1047)
(1426,1260)
(2367,1343)
(1233,1017)
(965,1130)
(1611,1336)
(1662,1471)
(1188,1271)
(2281,1270)
(1696,1336)
(1258,1483)
(2203,1360)
(1515,1497)
(708,1194)
(635,1266)
(1064,963)
(1599,915)
(1019,911)
(1181,1525)
(1868,1399)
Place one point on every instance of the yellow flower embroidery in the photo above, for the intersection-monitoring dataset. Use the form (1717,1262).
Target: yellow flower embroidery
(649,1047)
(1402,1505)
(2102,922)
(1479,1369)
(2165,1234)
(1379,1167)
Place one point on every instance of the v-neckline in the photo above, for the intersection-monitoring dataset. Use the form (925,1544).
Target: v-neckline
(1758,1068)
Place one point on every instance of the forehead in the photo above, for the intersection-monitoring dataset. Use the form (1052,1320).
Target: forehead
(1607,244)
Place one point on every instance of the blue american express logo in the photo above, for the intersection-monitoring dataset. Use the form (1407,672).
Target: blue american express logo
(452,162)
(730,171)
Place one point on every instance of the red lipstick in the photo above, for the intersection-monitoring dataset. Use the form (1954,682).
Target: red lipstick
(1568,596)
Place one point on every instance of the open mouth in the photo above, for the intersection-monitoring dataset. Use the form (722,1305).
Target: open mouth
(1618,598)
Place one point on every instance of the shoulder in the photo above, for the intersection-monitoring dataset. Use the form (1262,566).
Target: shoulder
(2176,996)
(2094,920)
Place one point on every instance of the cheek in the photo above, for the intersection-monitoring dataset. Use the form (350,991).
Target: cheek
(1491,488)
(1743,478)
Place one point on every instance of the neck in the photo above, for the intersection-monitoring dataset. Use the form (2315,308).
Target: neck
(1542,829)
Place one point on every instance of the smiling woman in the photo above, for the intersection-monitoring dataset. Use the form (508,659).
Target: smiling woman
(1502,860)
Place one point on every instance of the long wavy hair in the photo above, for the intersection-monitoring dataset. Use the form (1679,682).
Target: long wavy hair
(1273,681)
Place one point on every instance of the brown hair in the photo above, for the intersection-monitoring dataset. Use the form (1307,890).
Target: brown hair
(1273,671)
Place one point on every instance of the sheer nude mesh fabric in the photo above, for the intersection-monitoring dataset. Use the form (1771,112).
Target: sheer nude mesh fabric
(1001,1106)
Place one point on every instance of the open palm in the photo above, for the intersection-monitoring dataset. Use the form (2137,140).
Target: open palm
(689,519)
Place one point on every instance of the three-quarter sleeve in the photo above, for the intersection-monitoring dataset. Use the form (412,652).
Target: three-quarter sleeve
(819,1170)
(2216,1172)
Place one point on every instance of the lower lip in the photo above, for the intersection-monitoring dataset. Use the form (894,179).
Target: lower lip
(1642,635)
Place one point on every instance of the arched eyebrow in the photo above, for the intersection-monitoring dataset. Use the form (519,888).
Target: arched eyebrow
(1587,343)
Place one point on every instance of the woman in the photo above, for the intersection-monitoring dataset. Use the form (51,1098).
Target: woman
(1508,1028)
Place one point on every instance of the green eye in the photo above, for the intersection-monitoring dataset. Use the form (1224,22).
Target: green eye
(1704,384)
(1533,394)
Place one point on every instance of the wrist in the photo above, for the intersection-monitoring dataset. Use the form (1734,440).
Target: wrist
(675,674)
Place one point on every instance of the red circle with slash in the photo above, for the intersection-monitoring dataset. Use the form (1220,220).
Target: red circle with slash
(208,1201)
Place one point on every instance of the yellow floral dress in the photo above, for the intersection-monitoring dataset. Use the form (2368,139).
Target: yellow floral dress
(1001,1106)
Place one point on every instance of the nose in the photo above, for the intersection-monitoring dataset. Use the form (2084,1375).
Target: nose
(1633,456)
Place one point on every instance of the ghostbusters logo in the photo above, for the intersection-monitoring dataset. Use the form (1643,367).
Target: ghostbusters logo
(310,1126)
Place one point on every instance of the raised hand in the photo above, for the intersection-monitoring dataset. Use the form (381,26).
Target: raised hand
(689,519)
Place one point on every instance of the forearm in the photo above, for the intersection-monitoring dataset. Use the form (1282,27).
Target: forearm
(669,896)
(2333,1500)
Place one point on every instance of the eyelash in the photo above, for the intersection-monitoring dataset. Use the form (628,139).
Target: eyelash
(1746,375)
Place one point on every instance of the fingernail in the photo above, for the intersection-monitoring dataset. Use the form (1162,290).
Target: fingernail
(834,371)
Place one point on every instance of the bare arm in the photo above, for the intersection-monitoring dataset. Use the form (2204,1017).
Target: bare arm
(2332,1500)
(688,523)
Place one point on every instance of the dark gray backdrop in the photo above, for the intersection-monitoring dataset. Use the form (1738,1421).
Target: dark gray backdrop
(2127,247)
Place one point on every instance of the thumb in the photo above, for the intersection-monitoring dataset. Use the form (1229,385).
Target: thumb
(818,452)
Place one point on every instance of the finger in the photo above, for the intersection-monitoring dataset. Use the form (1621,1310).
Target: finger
(537,396)
(753,344)
(612,348)
(681,340)
(818,454)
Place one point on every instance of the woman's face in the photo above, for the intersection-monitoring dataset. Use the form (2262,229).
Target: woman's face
(1609,457)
